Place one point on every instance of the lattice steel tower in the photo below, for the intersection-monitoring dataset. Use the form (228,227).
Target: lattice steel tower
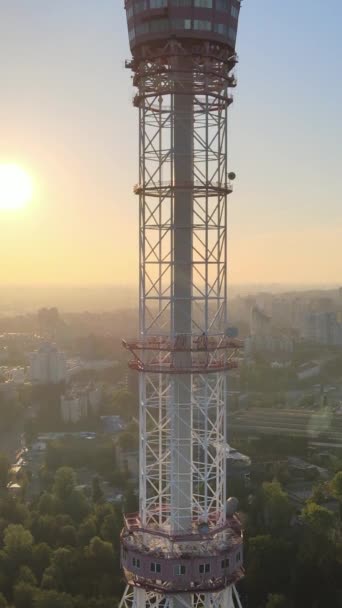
(184,547)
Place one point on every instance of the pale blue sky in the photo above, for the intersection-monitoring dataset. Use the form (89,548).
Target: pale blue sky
(66,115)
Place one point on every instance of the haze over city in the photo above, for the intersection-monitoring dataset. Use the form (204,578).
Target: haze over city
(170,413)
(67,119)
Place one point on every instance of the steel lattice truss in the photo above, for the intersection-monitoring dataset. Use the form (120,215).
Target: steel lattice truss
(182,411)
(156,189)
(209,185)
(228,598)
(208,439)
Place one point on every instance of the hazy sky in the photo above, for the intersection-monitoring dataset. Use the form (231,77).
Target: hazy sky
(66,116)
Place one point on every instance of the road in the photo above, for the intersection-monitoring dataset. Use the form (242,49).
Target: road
(324,426)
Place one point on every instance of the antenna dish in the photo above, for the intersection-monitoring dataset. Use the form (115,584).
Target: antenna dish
(232,176)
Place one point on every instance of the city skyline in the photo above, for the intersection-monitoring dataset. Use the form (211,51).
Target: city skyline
(62,120)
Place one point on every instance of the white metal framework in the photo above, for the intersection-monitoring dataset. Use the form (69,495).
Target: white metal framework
(182,549)
(229,598)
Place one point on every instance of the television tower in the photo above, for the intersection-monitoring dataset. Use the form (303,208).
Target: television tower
(184,547)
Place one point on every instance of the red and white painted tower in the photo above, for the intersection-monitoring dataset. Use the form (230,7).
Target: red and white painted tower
(184,547)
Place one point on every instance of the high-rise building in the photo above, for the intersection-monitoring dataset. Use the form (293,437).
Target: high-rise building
(260,323)
(47,365)
(184,547)
(323,328)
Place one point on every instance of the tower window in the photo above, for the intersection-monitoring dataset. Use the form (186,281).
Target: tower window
(158,3)
(202,25)
(140,6)
(181,2)
(220,28)
(232,34)
(235,12)
(129,12)
(160,25)
(222,5)
(204,3)
(141,28)
(181,24)
(179,570)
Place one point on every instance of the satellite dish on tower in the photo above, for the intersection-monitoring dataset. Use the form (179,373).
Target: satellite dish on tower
(232,176)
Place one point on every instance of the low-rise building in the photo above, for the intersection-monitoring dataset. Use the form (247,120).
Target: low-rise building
(309,370)
(112,424)
(74,408)
(17,375)
(80,402)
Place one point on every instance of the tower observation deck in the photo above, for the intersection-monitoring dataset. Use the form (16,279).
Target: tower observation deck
(184,547)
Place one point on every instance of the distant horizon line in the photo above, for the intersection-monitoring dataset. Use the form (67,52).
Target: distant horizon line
(135,287)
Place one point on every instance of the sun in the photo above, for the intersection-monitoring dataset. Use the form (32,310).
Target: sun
(16,188)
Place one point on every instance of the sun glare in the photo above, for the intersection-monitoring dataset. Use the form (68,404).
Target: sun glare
(16,187)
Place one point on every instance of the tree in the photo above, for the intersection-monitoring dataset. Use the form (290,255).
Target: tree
(6,572)
(102,552)
(336,485)
(87,530)
(68,536)
(319,519)
(14,511)
(23,595)
(316,581)
(26,575)
(111,527)
(268,561)
(97,492)
(53,599)
(101,511)
(77,506)
(41,556)
(45,529)
(131,501)
(49,579)
(64,483)
(18,543)
(276,601)
(277,509)
(49,504)
(4,470)
(3,601)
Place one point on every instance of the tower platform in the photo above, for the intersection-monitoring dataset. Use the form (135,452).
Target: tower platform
(209,558)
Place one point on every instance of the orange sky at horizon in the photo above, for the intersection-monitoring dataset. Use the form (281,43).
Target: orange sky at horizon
(67,118)
(69,252)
